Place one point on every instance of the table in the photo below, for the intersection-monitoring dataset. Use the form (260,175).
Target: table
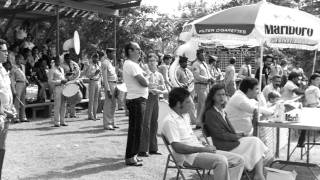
(308,120)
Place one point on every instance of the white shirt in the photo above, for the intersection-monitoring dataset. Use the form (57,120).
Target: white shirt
(177,129)
(240,112)
(312,95)
(268,89)
(56,74)
(287,92)
(5,88)
(135,90)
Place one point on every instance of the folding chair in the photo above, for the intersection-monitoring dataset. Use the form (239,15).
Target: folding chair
(206,135)
(175,165)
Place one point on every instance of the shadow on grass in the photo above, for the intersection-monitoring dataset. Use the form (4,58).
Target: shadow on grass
(82,169)
(32,129)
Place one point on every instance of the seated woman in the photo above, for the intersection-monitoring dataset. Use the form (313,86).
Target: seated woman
(225,138)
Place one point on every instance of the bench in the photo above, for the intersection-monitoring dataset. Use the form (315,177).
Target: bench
(40,106)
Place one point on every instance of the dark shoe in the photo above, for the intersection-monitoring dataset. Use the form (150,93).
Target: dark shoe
(90,118)
(116,127)
(120,109)
(74,116)
(134,164)
(139,160)
(143,154)
(56,125)
(15,120)
(197,127)
(155,153)
(96,119)
(64,124)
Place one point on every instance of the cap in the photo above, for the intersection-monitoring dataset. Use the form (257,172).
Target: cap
(110,50)
(215,58)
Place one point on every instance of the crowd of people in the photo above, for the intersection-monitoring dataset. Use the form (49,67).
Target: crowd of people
(222,104)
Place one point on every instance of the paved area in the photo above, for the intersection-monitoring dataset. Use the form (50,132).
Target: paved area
(82,151)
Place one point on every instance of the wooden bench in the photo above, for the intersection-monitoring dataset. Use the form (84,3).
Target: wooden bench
(40,106)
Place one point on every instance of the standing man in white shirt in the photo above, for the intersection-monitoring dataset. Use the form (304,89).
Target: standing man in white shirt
(58,80)
(187,149)
(245,70)
(291,89)
(241,105)
(137,86)
(94,75)
(6,101)
(230,77)
(109,76)
(202,80)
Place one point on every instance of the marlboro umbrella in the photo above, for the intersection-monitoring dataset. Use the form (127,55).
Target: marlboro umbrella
(256,24)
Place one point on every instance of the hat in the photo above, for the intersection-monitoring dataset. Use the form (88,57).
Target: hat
(215,58)
(110,50)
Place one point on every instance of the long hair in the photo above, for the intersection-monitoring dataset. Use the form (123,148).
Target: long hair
(210,101)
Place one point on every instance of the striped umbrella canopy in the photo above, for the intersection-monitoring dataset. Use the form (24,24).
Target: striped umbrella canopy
(255,24)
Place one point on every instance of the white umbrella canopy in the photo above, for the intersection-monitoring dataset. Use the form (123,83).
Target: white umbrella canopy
(254,24)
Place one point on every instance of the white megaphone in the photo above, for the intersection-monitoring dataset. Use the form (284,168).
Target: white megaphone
(72,43)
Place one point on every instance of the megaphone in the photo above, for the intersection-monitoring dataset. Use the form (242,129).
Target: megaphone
(72,43)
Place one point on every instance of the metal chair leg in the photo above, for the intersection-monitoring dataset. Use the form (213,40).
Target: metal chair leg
(166,169)
(177,178)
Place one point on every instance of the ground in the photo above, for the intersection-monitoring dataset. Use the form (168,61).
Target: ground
(82,151)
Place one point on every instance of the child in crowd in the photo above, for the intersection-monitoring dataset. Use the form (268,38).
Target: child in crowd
(273,98)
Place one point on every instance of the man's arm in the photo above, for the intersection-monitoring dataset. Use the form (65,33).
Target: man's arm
(197,75)
(298,91)
(142,80)
(186,149)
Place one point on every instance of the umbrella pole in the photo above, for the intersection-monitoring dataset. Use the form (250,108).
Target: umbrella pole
(260,80)
(314,61)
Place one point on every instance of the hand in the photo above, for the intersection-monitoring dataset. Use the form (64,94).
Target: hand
(97,72)
(240,135)
(109,94)
(209,149)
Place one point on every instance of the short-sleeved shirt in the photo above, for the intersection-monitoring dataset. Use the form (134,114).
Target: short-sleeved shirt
(5,88)
(268,89)
(287,92)
(201,72)
(177,128)
(312,95)
(184,76)
(130,70)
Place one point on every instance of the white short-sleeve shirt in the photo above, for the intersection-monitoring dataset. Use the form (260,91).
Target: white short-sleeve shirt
(177,129)
(312,95)
(287,92)
(135,90)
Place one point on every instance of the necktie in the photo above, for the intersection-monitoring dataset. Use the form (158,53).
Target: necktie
(248,69)
(205,68)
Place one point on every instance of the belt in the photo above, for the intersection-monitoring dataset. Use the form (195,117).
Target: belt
(20,82)
(204,83)
(112,81)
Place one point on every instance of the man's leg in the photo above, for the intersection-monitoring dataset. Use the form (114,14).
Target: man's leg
(236,164)
(17,103)
(62,108)
(3,137)
(202,91)
(91,99)
(57,105)
(109,108)
(217,162)
(153,147)
(96,98)
(145,125)
(22,113)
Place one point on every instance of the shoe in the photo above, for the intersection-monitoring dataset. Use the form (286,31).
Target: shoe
(96,119)
(139,160)
(64,124)
(116,127)
(197,127)
(143,154)
(90,118)
(56,125)
(25,120)
(120,109)
(74,116)
(155,153)
(134,164)
(109,128)
(15,120)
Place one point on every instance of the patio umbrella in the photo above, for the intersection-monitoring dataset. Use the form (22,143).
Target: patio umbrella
(254,24)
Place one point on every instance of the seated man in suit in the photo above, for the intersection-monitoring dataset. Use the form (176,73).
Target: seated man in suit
(187,149)
(224,136)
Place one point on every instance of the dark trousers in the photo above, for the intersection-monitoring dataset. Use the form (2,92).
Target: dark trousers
(148,141)
(136,108)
